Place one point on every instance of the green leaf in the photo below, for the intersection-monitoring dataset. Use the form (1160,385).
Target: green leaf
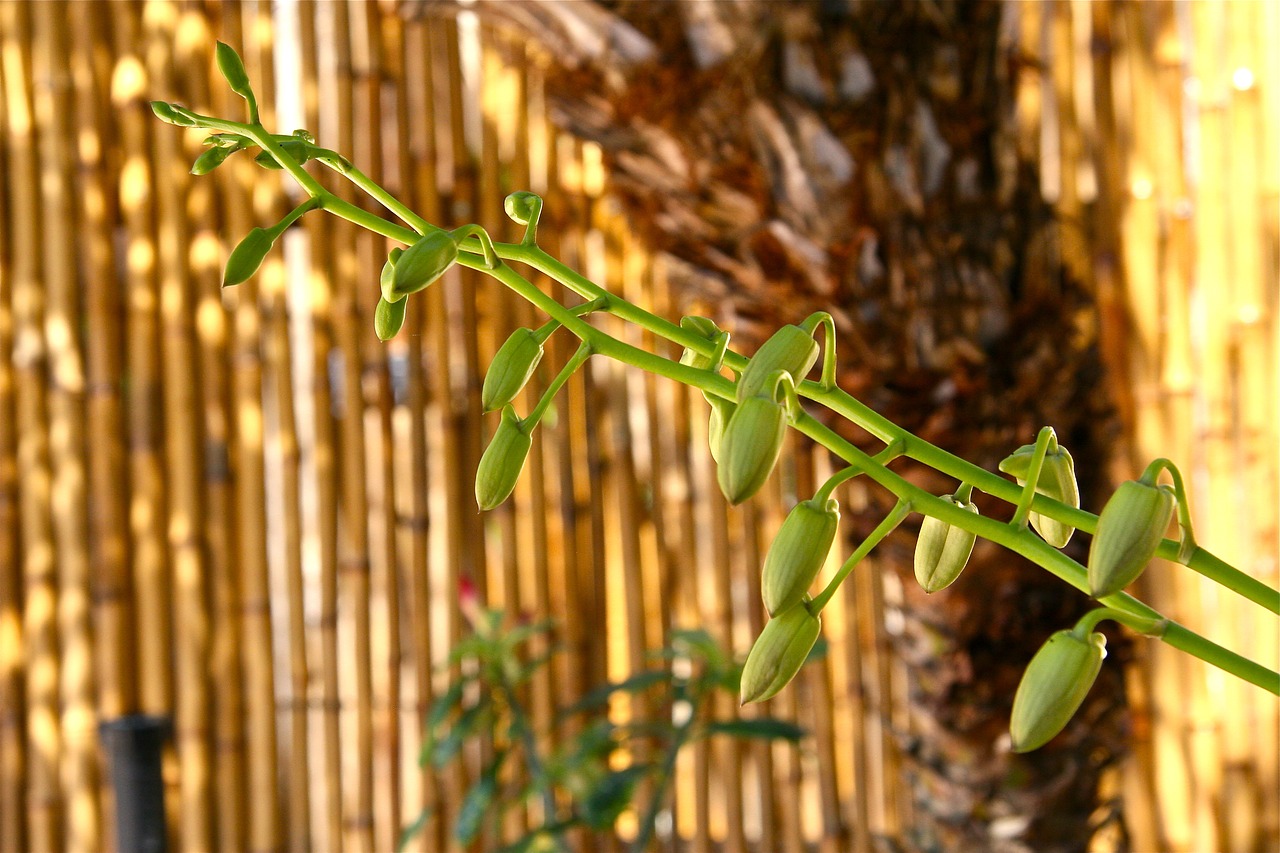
(247,256)
(443,751)
(766,728)
(633,684)
(611,795)
(697,644)
(232,69)
(476,802)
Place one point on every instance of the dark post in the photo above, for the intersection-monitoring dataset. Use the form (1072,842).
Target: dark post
(133,744)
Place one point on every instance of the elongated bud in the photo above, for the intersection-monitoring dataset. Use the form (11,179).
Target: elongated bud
(943,550)
(1055,683)
(721,413)
(423,263)
(750,446)
(1130,528)
(247,256)
(502,462)
(210,159)
(797,553)
(705,328)
(778,653)
(232,69)
(791,349)
(388,317)
(173,114)
(387,276)
(512,365)
(1057,480)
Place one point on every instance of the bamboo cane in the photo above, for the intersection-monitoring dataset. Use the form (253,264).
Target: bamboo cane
(79,759)
(182,442)
(43,799)
(263,830)
(13,747)
(318,113)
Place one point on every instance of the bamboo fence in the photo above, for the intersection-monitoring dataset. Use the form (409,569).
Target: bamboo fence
(240,509)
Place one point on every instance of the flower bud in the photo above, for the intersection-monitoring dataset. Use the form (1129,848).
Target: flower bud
(791,349)
(778,653)
(211,159)
(797,553)
(247,256)
(943,550)
(721,413)
(512,365)
(750,446)
(173,114)
(699,326)
(1055,683)
(232,69)
(522,206)
(1130,528)
(388,317)
(423,263)
(1057,480)
(502,461)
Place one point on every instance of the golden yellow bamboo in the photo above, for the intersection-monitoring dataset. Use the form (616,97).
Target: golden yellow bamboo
(66,385)
(43,793)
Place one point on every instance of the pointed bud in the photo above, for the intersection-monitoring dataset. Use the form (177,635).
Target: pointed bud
(512,365)
(791,349)
(388,317)
(387,276)
(1053,687)
(502,461)
(173,114)
(247,256)
(778,653)
(750,446)
(943,550)
(797,553)
(423,263)
(705,328)
(210,159)
(522,206)
(1130,528)
(1057,480)
(232,69)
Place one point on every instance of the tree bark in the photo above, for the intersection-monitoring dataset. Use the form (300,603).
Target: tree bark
(861,157)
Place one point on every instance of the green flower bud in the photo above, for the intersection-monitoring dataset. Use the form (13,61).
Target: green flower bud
(210,159)
(388,274)
(388,317)
(943,550)
(423,263)
(1055,683)
(247,256)
(778,653)
(791,349)
(705,328)
(502,461)
(512,365)
(1057,480)
(750,446)
(522,206)
(233,70)
(721,413)
(1130,528)
(173,114)
(797,553)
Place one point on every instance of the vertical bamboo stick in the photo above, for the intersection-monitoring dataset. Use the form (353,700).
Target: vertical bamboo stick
(182,441)
(39,609)
(151,581)
(79,770)
(324,453)
(263,829)
(13,747)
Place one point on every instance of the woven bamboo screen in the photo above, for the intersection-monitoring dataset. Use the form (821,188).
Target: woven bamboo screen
(238,508)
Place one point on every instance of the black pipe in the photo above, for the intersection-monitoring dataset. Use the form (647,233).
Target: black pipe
(133,744)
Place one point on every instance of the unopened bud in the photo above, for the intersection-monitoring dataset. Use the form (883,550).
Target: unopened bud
(512,365)
(247,256)
(1130,528)
(1053,687)
(791,349)
(750,446)
(388,317)
(423,263)
(797,553)
(721,413)
(503,460)
(1057,480)
(232,69)
(943,550)
(210,159)
(522,206)
(778,653)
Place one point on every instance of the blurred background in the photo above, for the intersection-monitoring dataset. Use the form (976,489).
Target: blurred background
(239,510)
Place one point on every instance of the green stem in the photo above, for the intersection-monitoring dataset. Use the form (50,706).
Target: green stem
(1188,542)
(575,361)
(883,529)
(520,724)
(1144,626)
(648,823)
(1023,509)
